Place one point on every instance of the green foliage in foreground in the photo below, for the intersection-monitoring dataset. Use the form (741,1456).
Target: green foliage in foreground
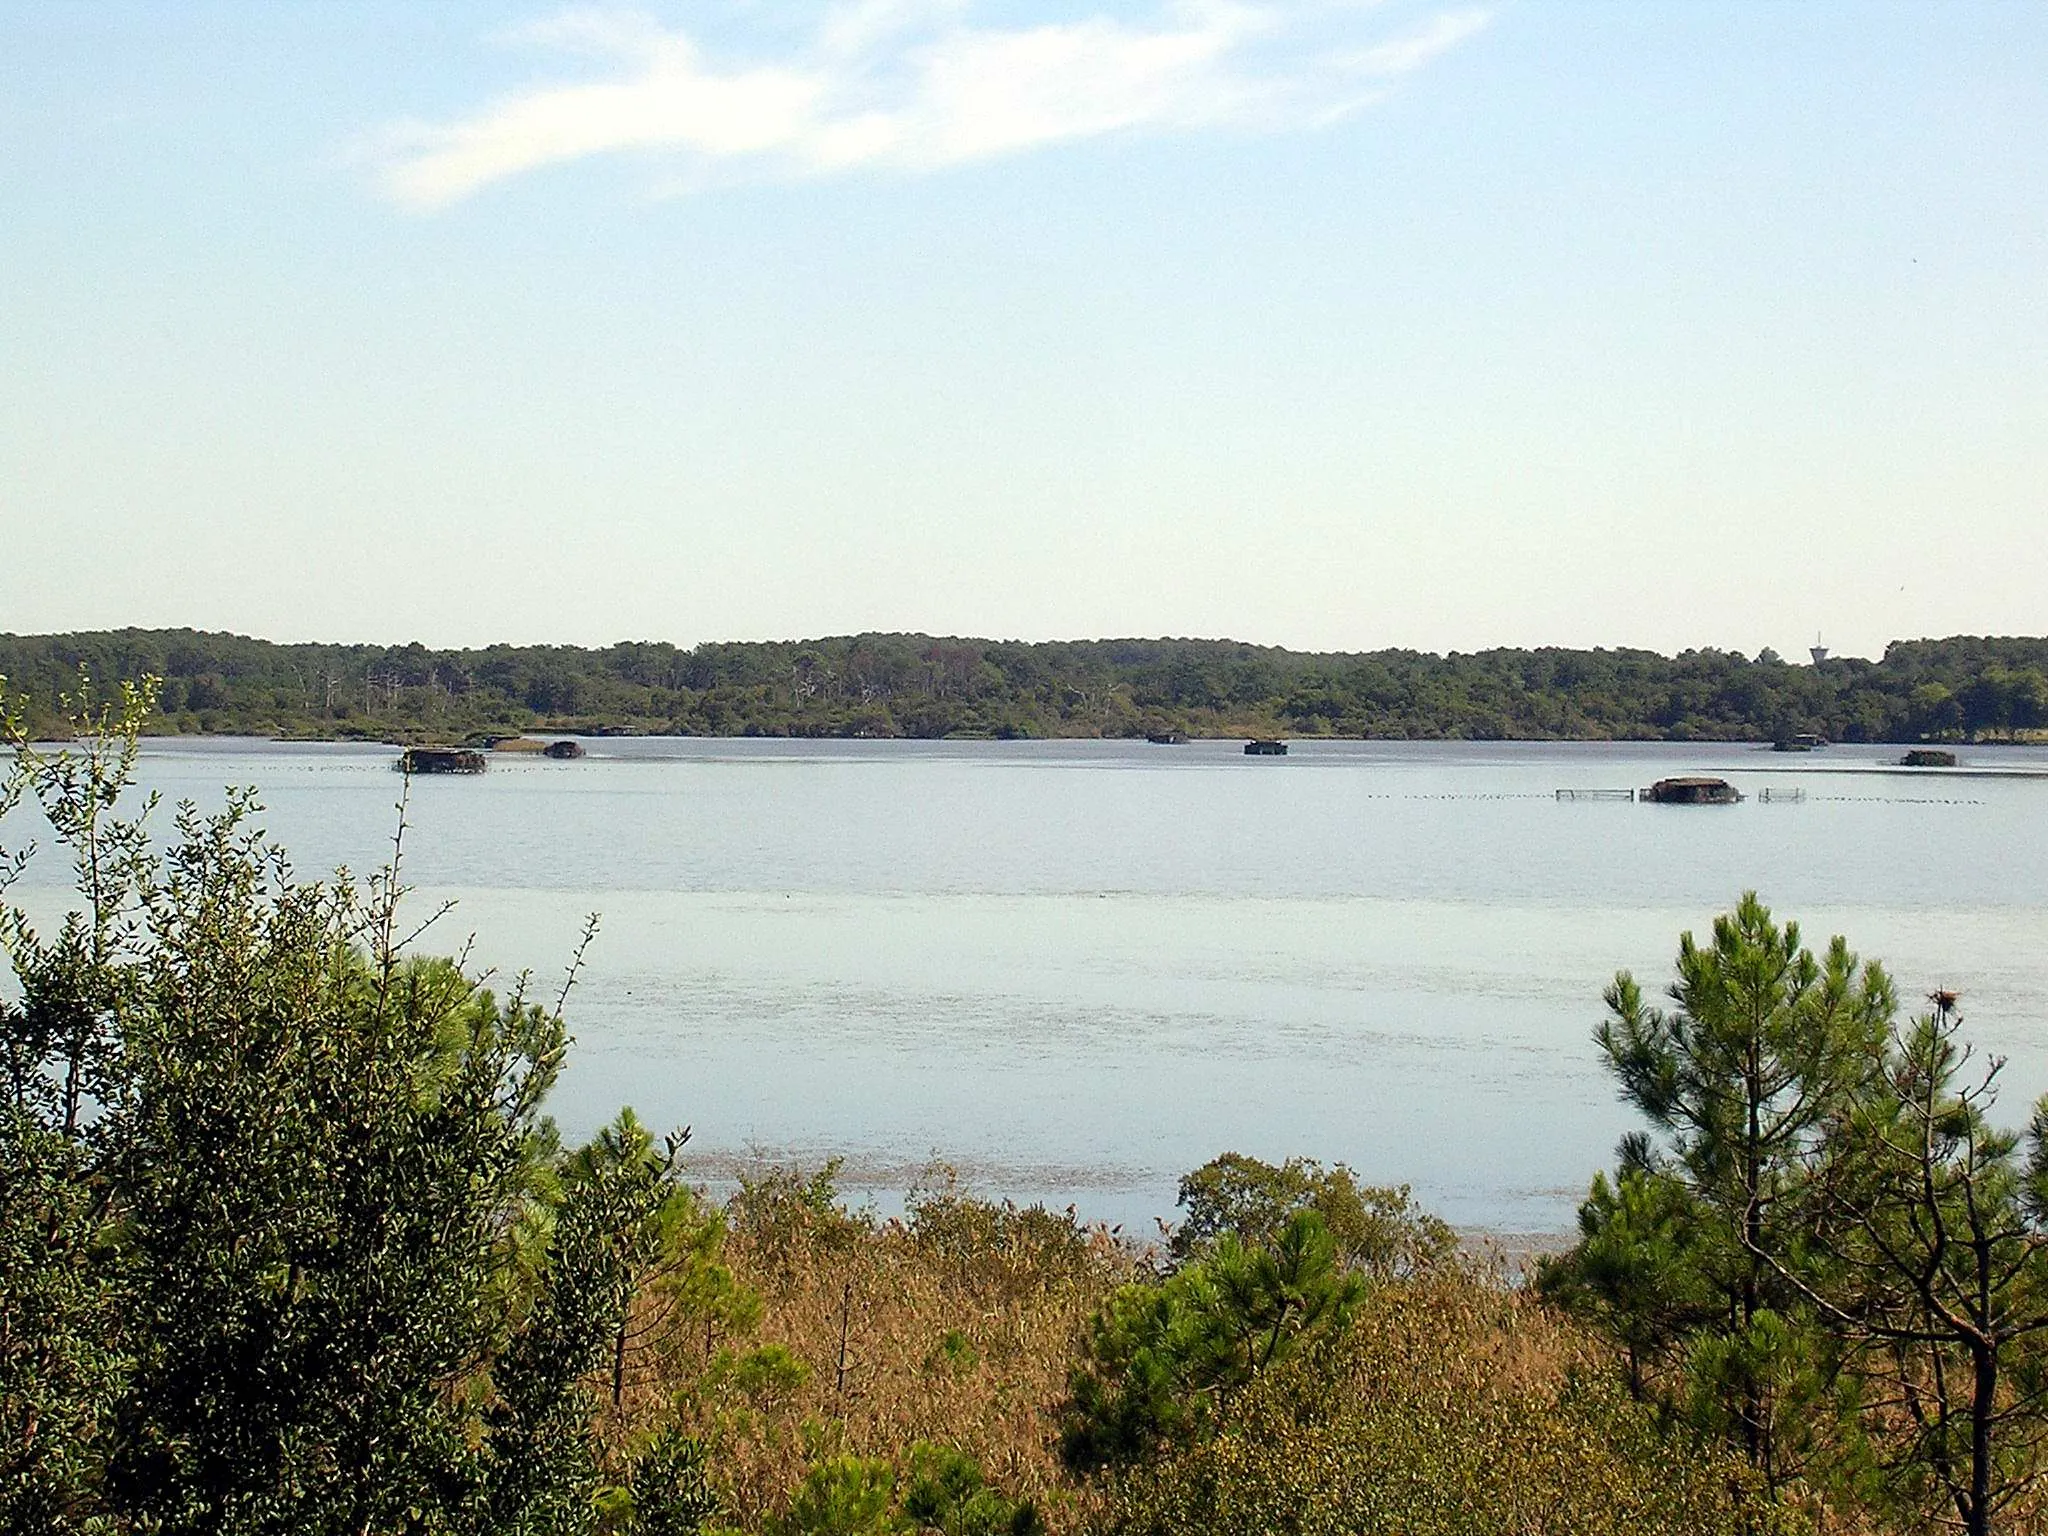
(939,1491)
(1438,1414)
(1282,1379)
(1380,1233)
(923,686)
(1825,1253)
(1162,1359)
(289,1247)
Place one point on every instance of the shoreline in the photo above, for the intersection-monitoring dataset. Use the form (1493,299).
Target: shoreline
(588,732)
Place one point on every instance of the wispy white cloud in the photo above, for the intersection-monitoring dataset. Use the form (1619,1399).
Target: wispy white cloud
(915,85)
(1418,46)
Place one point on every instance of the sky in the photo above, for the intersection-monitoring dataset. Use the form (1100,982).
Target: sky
(1316,323)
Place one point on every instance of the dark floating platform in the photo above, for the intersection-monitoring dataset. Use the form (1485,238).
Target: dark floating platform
(1928,757)
(562,751)
(1804,741)
(441,760)
(1692,791)
(1264,748)
(1167,738)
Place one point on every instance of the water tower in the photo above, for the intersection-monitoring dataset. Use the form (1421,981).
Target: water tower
(1817,651)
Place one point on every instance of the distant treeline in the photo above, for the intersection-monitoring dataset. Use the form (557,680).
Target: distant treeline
(884,685)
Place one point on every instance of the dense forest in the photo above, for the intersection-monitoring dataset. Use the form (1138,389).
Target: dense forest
(882,685)
(289,1246)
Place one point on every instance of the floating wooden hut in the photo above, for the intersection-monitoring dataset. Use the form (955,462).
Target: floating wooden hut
(563,751)
(1928,757)
(1803,741)
(1265,748)
(1692,791)
(441,760)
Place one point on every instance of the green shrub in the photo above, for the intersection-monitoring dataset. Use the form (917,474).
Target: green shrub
(671,1495)
(287,1244)
(843,1496)
(1161,1357)
(1379,1231)
(1448,1410)
(946,1492)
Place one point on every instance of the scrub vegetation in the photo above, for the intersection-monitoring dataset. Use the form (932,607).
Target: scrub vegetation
(883,685)
(289,1244)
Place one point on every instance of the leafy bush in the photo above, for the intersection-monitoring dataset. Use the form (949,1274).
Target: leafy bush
(1379,1231)
(946,1492)
(942,1491)
(669,1493)
(844,1496)
(1162,1358)
(785,1216)
(1450,1408)
(290,1247)
(998,1247)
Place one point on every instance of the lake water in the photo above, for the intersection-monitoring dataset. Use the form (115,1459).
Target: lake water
(1076,969)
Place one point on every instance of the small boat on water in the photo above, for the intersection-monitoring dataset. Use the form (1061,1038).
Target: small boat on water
(1691,791)
(441,760)
(1167,738)
(1928,757)
(563,751)
(1265,748)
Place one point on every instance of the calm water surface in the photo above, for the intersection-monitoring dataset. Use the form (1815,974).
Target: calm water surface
(1076,969)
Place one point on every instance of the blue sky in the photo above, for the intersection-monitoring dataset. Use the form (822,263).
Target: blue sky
(1322,324)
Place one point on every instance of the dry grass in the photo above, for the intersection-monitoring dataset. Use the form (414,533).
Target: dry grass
(1457,1403)
(955,1325)
(1453,1406)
